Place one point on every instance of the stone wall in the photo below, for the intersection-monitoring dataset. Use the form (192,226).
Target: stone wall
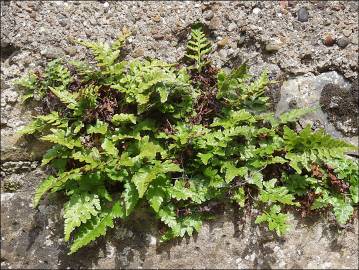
(311,48)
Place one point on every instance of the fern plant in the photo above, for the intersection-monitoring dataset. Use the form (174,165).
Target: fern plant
(198,48)
(130,133)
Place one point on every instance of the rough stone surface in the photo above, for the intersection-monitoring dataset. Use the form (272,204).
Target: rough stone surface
(285,37)
(34,241)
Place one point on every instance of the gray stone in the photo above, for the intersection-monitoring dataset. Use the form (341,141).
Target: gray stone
(45,31)
(347,32)
(256,11)
(215,23)
(327,22)
(11,97)
(273,45)
(63,22)
(15,147)
(71,50)
(342,42)
(11,167)
(241,40)
(303,14)
(232,26)
(106,5)
(223,54)
(208,14)
(52,52)
(139,52)
(4,44)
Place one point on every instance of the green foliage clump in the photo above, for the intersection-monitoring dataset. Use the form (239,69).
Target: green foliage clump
(176,139)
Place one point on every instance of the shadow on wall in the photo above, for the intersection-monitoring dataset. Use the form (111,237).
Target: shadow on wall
(117,246)
(129,245)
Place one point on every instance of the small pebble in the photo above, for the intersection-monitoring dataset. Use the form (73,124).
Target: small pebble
(52,52)
(215,23)
(347,32)
(293,104)
(241,40)
(223,42)
(157,18)
(11,97)
(223,54)
(138,52)
(329,41)
(343,42)
(303,14)
(327,22)
(63,22)
(208,14)
(158,36)
(71,50)
(337,7)
(232,27)
(320,5)
(273,45)
(256,11)
(334,102)
(33,15)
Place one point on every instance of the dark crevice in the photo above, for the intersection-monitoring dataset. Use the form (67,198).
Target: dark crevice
(328,68)
(8,51)
(306,59)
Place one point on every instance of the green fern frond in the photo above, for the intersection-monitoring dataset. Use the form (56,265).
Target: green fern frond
(273,194)
(131,198)
(198,47)
(342,209)
(276,220)
(123,118)
(186,225)
(105,54)
(79,209)
(43,122)
(294,115)
(44,187)
(96,227)
(100,127)
(59,136)
(69,99)
(167,215)
(156,195)
(309,147)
